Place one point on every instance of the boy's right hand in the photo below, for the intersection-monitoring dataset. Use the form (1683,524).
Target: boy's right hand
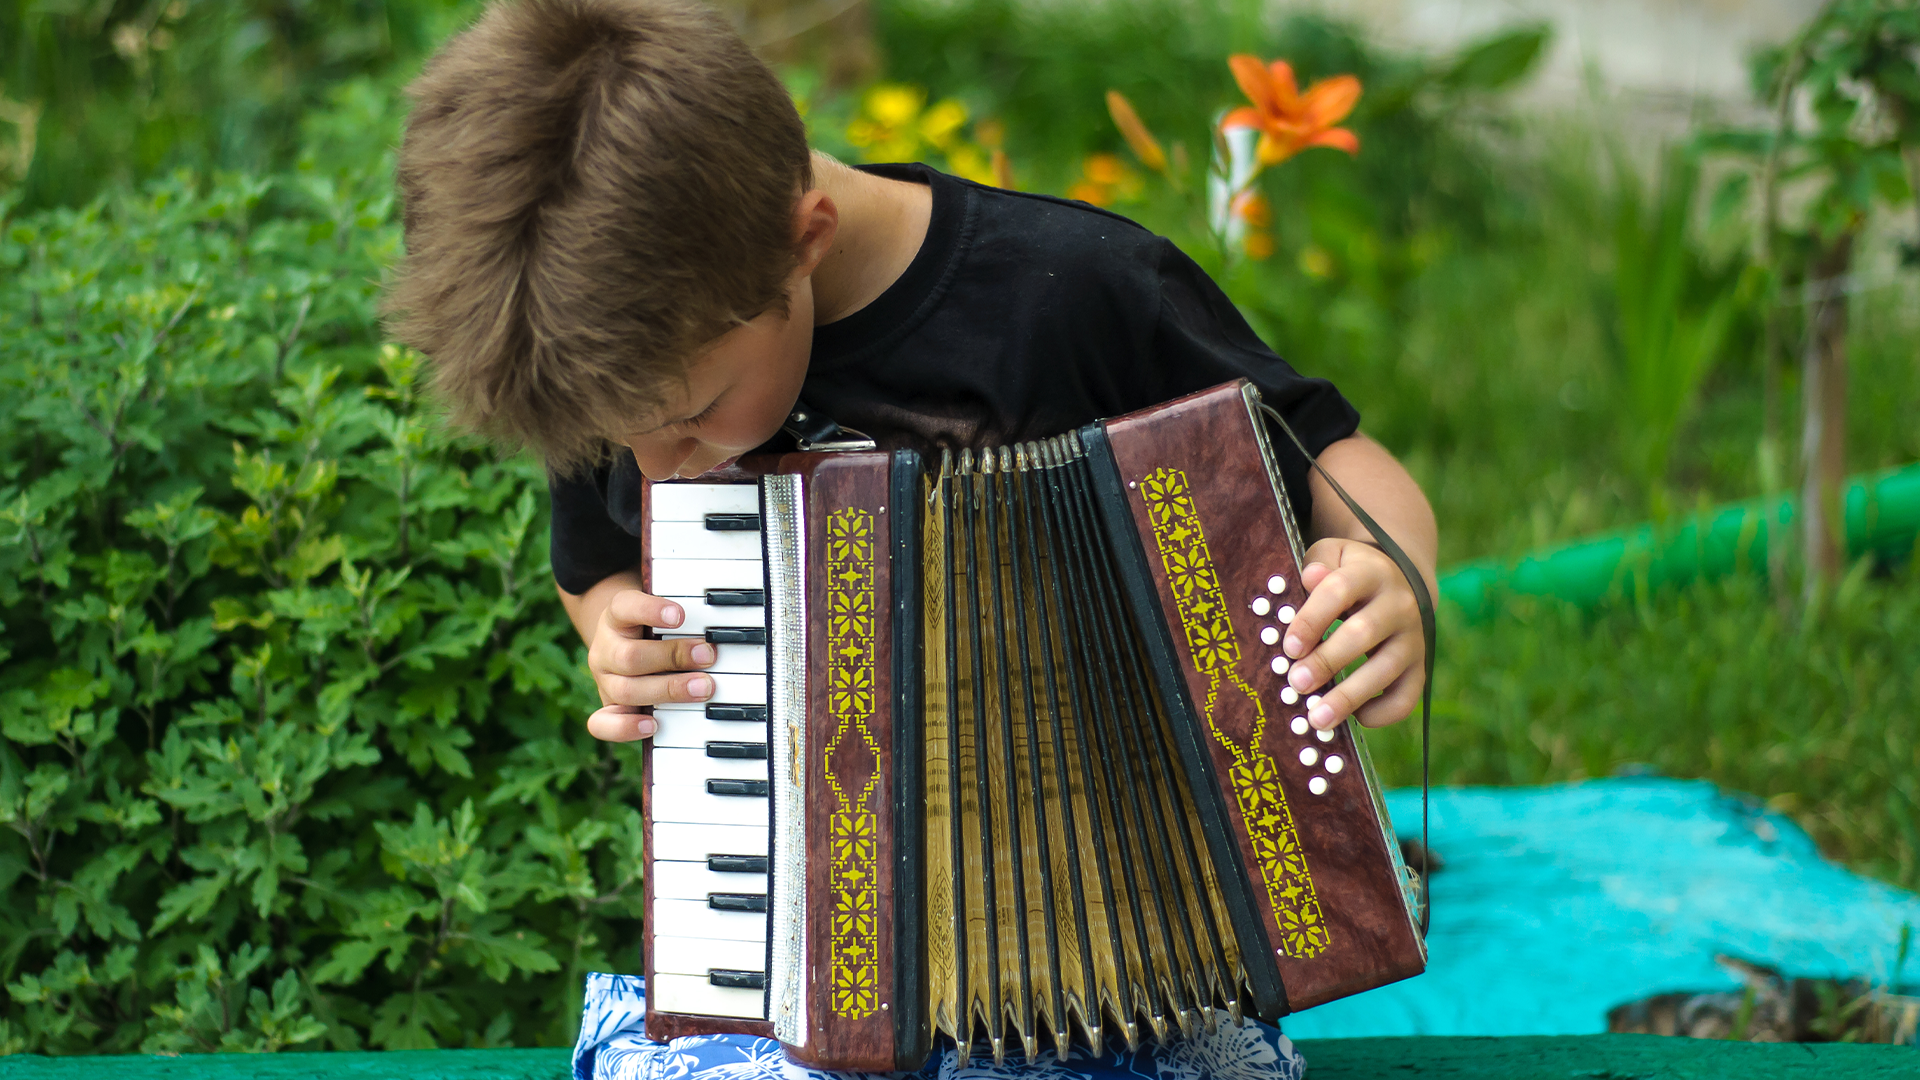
(634,672)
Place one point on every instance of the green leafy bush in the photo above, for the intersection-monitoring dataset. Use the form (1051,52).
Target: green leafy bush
(291,749)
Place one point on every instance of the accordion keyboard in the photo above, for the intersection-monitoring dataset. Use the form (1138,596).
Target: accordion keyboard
(710,850)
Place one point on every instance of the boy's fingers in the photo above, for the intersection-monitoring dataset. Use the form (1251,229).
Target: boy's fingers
(616,655)
(631,611)
(655,689)
(1380,671)
(1358,635)
(1334,594)
(620,723)
(1396,704)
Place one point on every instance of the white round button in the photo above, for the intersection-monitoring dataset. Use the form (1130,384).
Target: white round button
(1286,613)
(1289,695)
(1335,763)
(1309,755)
(1276,584)
(1280,665)
(1269,635)
(1324,735)
(1312,700)
(1317,785)
(1261,605)
(1300,725)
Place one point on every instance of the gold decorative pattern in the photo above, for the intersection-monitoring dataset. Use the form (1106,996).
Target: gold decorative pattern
(852,766)
(1208,627)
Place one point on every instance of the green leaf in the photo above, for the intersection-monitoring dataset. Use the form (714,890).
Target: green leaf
(1499,61)
(191,900)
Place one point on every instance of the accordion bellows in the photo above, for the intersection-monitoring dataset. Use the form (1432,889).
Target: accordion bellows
(1033,773)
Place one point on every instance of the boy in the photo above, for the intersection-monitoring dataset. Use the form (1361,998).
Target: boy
(617,238)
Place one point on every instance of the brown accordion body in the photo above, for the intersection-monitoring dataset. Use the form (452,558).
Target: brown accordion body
(1032,771)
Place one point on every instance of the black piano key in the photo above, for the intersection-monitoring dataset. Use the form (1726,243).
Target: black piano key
(737,597)
(737,901)
(737,864)
(754,751)
(755,788)
(742,980)
(737,635)
(733,522)
(737,712)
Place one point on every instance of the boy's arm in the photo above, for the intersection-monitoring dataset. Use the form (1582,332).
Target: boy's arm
(632,671)
(1349,578)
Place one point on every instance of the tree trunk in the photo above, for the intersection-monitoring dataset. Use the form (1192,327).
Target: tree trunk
(1823,426)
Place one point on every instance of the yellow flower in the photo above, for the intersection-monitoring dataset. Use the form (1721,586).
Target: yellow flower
(941,122)
(894,104)
(971,163)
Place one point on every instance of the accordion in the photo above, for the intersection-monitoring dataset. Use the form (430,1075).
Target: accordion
(1002,747)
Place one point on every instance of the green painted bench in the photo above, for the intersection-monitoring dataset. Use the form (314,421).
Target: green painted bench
(1580,1057)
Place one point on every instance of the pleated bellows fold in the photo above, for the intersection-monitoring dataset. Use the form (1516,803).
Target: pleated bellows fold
(1070,894)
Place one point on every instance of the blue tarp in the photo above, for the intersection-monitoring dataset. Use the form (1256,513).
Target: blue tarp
(1558,903)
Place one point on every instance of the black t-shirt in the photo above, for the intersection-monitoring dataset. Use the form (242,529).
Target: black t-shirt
(1022,316)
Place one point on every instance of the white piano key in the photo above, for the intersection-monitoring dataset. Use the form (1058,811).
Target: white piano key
(693,729)
(693,918)
(728,689)
(697,956)
(700,615)
(694,842)
(693,577)
(734,659)
(693,502)
(693,881)
(692,802)
(680,767)
(693,540)
(693,994)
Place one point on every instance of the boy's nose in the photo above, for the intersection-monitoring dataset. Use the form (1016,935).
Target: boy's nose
(662,462)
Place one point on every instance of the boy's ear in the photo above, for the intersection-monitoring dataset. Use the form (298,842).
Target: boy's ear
(815,222)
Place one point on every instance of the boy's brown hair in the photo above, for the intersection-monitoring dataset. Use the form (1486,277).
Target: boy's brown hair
(591,190)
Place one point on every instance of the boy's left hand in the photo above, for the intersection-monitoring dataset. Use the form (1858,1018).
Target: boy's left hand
(1355,582)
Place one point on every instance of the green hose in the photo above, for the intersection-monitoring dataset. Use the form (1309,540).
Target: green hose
(1882,517)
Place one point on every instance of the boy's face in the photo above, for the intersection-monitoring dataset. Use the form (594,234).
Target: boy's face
(736,396)
(740,390)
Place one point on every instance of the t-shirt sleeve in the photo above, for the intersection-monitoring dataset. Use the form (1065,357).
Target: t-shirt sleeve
(588,545)
(1202,340)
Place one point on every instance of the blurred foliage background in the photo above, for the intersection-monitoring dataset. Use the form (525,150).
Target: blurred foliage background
(291,746)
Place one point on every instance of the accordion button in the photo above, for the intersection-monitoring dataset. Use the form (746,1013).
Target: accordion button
(1300,725)
(1261,605)
(1276,584)
(1285,614)
(1334,763)
(1270,635)
(1317,785)
(1312,700)
(1289,695)
(1308,756)
(1324,735)
(1281,664)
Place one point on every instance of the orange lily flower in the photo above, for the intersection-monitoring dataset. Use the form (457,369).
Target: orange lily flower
(1288,120)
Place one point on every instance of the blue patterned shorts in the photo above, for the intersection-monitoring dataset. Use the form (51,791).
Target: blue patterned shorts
(614,1046)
